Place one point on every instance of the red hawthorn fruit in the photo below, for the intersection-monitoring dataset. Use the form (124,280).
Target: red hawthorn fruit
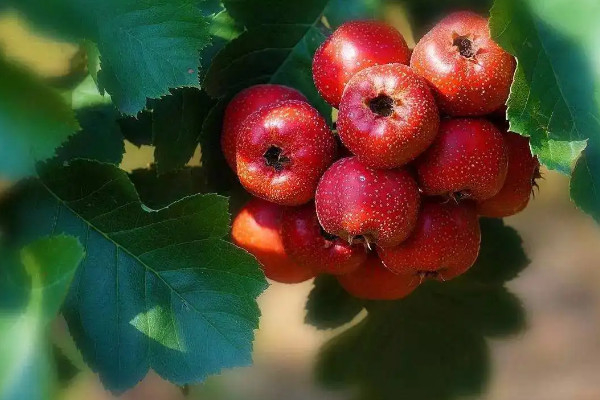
(354,46)
(387,116)
(444,244)
(256,228)
(358,203)
(244,104)
(471,75)
(283,150)
(309,245)
(523,170)
(372,281)
(468,159)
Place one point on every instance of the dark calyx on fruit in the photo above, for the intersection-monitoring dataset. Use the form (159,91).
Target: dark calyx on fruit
(382,105)
(275,158)
(327,235)
(465,46)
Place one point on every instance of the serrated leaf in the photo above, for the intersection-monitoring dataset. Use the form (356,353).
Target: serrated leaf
(158,289)
(146,47)
(277,47)
(159,191)
(176,124)
(437,334)
(555,98)
(33,284)
(34,121)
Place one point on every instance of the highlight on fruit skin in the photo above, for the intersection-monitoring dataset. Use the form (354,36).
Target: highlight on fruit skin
(356,202)
(372,281)
(283,150)
(246,103)
(469,73)
(256,228)
(387,116)
(468,159)
(307,244)
(523,171)
(444,244)
(354,46)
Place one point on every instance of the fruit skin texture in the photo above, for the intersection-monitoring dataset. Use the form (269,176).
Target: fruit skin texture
(283,150)
(444,244)
(467,159)
(354,46)
(471,75)
(387,116)
(256,229)
(380,206)
(372,281)
(245,103)
(523,169)
(306,243)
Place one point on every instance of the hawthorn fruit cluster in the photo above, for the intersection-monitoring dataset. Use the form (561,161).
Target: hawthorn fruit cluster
(422,151)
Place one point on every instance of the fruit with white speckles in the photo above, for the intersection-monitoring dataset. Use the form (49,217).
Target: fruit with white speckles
(387,116)
(256,229)
(468,159)
(354,46)
(372,281)
(309,245)
(523,170)
(444,244)
(283,150)
(356,202)
(471,75)
(244,104)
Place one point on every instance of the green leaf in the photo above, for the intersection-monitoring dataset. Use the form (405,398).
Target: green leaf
(138,129)
(33,285)
(176,124)
(437,334)
(34,121)
(329,306)
(158,289)
(159,191)
(557,107)
(277,47)
(146,47)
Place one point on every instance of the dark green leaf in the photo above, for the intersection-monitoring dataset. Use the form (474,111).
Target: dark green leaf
(159,191)
(34,121)
(138,129)
(430,345)
(145,46)
(33,285)
(176,124)
(329,306)
(560,111)
(158,289)
(278,46)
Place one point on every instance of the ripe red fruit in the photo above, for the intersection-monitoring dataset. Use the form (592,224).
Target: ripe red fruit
(468,159)
(309,245)
(356,202)
(444,244)
(470,74)
(246,103)
(372,281)
(354,46)
(387,116)
(523,170)
(283,150)
(256,228)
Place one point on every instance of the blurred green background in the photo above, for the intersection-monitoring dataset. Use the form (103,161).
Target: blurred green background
(556,358)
